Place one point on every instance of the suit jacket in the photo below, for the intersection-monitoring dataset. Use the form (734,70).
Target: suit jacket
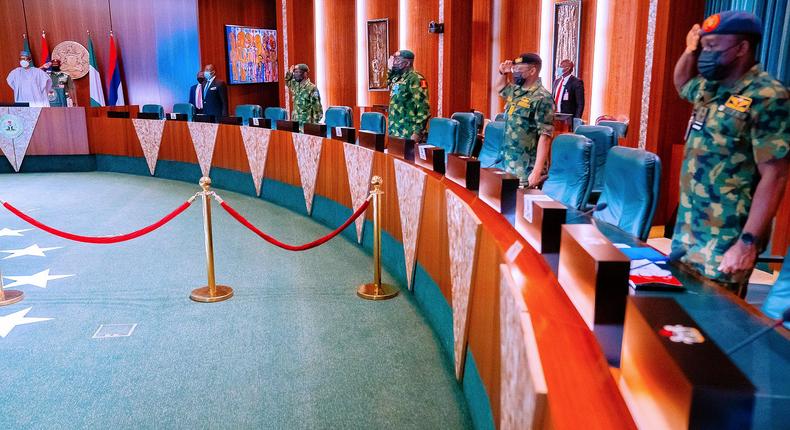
(572,97)
(215,100)
(192,98)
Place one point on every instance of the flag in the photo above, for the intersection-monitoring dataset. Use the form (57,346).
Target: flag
(44,49)
(26,46)
(115,92)
(97,92)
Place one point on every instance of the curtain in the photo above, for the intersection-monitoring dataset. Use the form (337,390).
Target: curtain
(775,47)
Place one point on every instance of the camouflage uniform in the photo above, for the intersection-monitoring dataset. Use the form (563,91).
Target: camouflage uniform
(529,113)
(409,109)
(307,100)
(736,128)
(63,93)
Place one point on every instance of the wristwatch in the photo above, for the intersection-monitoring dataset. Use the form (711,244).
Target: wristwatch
(747,238)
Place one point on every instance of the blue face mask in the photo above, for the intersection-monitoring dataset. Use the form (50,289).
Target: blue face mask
(207,75)
(559,72)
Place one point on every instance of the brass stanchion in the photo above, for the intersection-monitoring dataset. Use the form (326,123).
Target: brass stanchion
(377,290)
(9,297)
(212,292)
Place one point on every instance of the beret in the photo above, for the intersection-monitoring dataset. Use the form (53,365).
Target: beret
(732,22)
(405,53)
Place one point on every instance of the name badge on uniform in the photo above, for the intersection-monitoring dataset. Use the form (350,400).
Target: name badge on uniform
(699,118)
(739,103)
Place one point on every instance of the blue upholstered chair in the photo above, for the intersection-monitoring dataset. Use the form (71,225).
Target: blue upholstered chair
(499,117)
(374,122)
(337,116)
(576,123)
(630,190)
(493,136)
(779,296)
(275,114)
(467,133)
(620,128)
(154,109)
(443,132)
(248,111)
(572,170)
(185,108)
(479,120)
(603,140)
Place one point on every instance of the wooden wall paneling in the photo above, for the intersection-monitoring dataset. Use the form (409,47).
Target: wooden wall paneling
(457,57)
(480,52)
(300,25)
(84,15)
(113,136)
(624,40)
(379,9)
(13,24)
(177,143)
(584,69)
(433,253)
(60,131)
(424,45)
(229,152)
(519,33)
(281,162)
(340,53)
(332,181)
(638,74)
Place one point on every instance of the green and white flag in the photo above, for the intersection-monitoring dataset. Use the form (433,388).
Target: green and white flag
(97,91)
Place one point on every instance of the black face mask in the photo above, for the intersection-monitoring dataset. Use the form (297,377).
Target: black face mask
(710,65)
(519,79)
(201,80)
(55,68)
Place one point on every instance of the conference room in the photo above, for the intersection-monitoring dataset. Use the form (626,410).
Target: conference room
(427,214)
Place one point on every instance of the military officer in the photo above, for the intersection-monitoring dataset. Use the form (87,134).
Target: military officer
(409,108)
(529,119)
(735,166)
(306,98)
(63,93)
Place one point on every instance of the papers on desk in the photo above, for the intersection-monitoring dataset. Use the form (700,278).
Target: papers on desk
(649,270)
(528,199)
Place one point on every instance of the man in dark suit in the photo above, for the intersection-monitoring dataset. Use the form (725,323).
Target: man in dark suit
(568,91)
(196,93)
(215,94)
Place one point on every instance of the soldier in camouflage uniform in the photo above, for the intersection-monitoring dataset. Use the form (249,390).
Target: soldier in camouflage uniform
(63,92)
(736,164)
(529,119)
(306,99)
(409,110)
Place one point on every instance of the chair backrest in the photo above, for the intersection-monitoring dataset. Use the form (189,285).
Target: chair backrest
(338,116)
(576,123)
(248,111)
(499,117)
(443,132)
(374,122)
(572,170)
(630,190)
(467,133)
(620,128)
(603,140)
(154,109)
(493,136)
(778,298)
(479,120)
(275,114)
(187,108)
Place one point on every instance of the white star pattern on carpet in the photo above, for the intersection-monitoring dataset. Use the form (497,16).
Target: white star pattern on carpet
(39,280)
(8,322)
(32,250)
(10,232)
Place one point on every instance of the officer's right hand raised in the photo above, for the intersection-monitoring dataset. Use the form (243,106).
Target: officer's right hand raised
(692,39)
(505,67)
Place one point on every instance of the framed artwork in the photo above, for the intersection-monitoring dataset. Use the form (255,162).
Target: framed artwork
(252,55)
(378,54)
(567,31)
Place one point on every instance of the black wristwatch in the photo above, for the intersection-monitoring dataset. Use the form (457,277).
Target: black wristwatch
(747,238)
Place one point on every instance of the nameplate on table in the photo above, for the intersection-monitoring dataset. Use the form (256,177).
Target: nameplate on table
(261,122)
(285,125)
(177,116)
(594,274)
(672,375)
(231,120)
(539,219)
(464,171)
(315,129)
(371,140)
(401,148)
(344,134)
(431,157)
(498,190)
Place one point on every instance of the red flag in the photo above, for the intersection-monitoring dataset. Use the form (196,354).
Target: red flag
(44,49)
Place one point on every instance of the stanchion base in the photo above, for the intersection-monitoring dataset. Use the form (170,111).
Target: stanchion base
(11,296)
(223,292)
(375,292)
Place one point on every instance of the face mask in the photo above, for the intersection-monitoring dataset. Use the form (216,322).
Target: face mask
(711,66)
(55,68)
(559,72)
(207,75)
(519,79)
(24,63)
(201,80)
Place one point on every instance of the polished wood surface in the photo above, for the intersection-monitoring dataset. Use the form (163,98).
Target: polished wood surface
(13,24)
(424,45)
(340,72)
(60,131)
(480,85)
(378,9)
(457,68)
(300,24)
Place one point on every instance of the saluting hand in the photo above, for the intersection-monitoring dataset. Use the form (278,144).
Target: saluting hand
(692,39)
(505,66)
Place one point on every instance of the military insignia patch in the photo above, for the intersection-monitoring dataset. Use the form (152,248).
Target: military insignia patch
(711,23)
(739,103)
(423,84)
(523,103)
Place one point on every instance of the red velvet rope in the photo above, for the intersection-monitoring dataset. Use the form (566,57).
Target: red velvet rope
(99,239)
(286,246)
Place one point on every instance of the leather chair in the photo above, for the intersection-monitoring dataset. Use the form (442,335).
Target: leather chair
(630,190)
(499,117)
(185,108)
(620,128)
(778,298)
(493,136)
(337,116)
(275,114)
(603,140)
(467,133)
(576,123)
(479,120)
(248,111)
(443,132)
(572,170)
(373,122)
(154,109)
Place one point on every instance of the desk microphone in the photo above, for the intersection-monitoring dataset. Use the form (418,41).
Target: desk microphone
(785,318)
(497,161)
(596,208)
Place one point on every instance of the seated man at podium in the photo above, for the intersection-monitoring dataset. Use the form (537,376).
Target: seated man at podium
(30,84)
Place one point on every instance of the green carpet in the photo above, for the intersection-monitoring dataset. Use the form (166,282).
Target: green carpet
(295,347)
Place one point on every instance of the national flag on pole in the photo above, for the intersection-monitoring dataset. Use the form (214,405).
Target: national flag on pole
(115,92)
(26,46)
(44,49)
(97,92)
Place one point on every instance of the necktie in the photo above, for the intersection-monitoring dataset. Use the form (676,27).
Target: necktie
(199,97)
(559,91)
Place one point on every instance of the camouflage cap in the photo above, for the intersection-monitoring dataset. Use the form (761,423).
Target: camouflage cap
(405,53)
(732,22)
(528,58)
(303,67)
